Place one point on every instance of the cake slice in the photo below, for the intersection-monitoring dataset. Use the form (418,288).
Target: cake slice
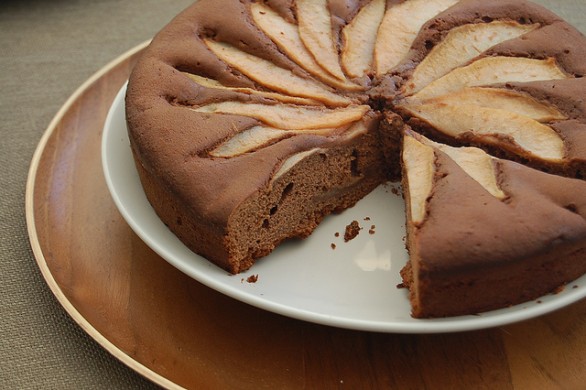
(485,233)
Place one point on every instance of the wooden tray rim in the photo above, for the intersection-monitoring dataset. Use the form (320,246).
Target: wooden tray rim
(37,246)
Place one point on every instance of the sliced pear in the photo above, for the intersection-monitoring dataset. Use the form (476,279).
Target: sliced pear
(248,140)
(286,37)
(355,130)
(475,162)
(315,30)
(493,70)
(418,163)
(258,136)
(504,99)
(537,139)
(461,45)
(292,161)
(289,117)
(214,84)
(360,38)
(268,74)
(400,27)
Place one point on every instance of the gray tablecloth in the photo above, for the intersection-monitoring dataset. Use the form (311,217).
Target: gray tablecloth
(47,49)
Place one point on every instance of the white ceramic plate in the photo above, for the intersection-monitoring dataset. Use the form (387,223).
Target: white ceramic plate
(352,286)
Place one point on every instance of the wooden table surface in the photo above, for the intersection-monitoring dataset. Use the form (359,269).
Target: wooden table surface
(177,332)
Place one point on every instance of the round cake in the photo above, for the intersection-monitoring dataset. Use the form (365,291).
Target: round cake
(251,121)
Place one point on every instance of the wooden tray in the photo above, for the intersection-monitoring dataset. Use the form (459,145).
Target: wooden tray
(179,333)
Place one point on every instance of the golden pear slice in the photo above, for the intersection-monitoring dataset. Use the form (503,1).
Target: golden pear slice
(360,38)
(475,162)
(248,140)
(461,45)
(493,70)
(289,117)
(292,161)
(214,84)
(400,27)
(315,30)
(286,37)
(355,130)
(257,137)
(499,98)
(535,138)
(418,163)
(268,74)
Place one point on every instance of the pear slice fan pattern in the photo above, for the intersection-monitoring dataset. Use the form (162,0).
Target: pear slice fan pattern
(454,89)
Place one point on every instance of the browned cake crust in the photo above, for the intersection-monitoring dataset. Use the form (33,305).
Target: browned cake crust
(237,206)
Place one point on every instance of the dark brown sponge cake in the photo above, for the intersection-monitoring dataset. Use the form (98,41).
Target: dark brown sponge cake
(252,121)
(480,248)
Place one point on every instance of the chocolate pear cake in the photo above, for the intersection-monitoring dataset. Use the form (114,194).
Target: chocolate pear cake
(250,121)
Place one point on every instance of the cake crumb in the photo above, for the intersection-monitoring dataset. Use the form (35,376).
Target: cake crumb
(395,191)
(352,231)
(367,218)
(333,245)
(337,234)
(559,290)
(371,230)
(575,286)
(252,278)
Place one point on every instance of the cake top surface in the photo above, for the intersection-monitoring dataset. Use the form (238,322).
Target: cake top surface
(503,200)
(246,89)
